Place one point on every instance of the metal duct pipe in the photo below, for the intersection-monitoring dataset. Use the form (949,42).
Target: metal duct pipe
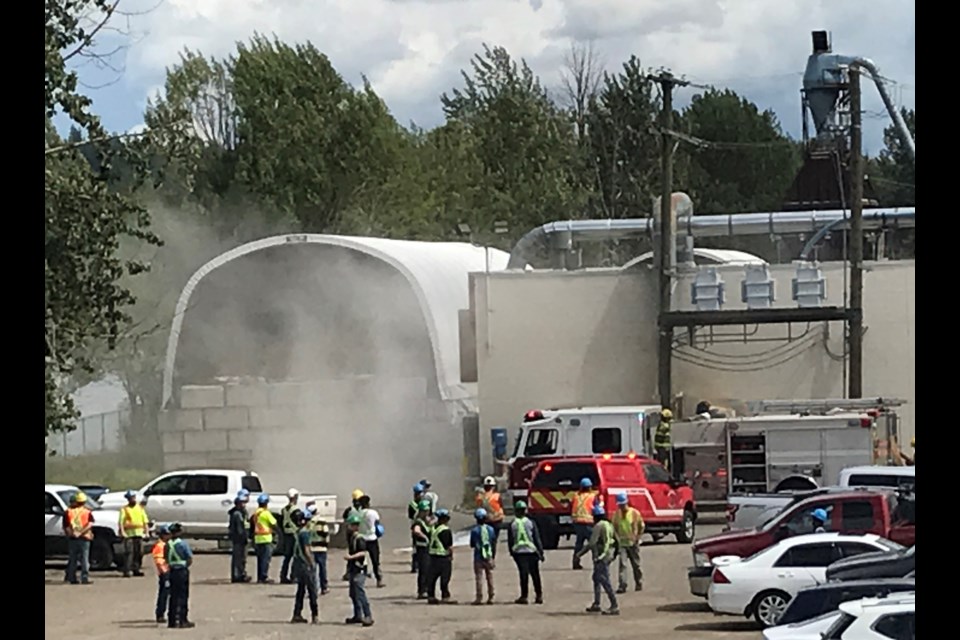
(709,226)
(871,68)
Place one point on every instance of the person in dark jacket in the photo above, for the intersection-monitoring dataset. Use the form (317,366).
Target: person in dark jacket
(238,533)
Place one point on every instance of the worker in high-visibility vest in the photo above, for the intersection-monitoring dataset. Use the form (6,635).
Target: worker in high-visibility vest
(661,437)
(603,544)
(78,527)
(489,501)
(581,508)
(628,527)
(288,534)
(483,543)
(133,529)
(263,523)
(353,509)
(441,559)
(413,509)
(523,540)
(179,558)
(159,554)
(420,530)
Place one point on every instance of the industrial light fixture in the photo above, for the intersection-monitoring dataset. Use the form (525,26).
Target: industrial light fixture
(706,291)
(757,288)
(809,287)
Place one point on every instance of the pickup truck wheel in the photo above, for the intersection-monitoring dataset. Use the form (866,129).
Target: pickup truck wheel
(688,528)
(657,537)
(101,554)
(768,606)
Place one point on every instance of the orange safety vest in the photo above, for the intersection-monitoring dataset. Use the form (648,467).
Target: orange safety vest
(77,519)
(159,559)
(491,503)
(581,507)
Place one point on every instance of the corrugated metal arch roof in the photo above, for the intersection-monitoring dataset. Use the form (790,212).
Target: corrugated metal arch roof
(436,271)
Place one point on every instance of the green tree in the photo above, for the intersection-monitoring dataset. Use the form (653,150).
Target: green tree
(523,142)
(894,172)
(752,171)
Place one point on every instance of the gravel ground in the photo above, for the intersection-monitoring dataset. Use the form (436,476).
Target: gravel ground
(114,607)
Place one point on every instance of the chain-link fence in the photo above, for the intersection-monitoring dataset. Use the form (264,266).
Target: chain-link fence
(94,434)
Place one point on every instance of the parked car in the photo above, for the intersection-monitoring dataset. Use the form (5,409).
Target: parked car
(666,504)
(855,511)
(200,498)
(876,619)
(812,629)
(763,584)
(106,549)
(813,602)
(752,510)
(879,476)
(884,564)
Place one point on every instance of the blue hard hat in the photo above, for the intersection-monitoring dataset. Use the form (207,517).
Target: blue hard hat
(424,483)
(586,483)
(598,509)
(263,498)
(442,513)
(480,514)
(622,498)
(130,494)
(309,512)
(820,514)
(162,529)
(417,488)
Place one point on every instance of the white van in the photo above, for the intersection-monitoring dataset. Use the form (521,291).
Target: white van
(879,476)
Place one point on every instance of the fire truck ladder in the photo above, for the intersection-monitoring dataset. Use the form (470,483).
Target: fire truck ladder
(823,406)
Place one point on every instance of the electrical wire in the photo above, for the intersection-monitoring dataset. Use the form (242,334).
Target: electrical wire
(747,359)
(713,144)
(797,348)
(771,352)
(684,358)
(893,182)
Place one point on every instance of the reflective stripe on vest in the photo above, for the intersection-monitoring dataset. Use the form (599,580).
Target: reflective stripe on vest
(425,528)
(173,558)
(159,558)
(606,538)
(522,536)
(583,506)
(486,550)
(661,437)
(415,506)
(286,516)
(79,517)
(436,547)
(623,524)
(133,521)
(491,503)
(262,531)
(319,534)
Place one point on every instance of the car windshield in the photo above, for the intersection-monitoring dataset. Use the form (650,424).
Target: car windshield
(516,446)
(893,546)
(67,496)
(823,617)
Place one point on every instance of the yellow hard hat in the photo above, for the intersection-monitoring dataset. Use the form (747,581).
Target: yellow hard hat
(357,494)
(80,497)
(667,414)
(913,442)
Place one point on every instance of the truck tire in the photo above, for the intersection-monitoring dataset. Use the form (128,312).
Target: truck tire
(688,527)
(101,553)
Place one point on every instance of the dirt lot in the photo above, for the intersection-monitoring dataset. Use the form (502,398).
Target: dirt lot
(114,607)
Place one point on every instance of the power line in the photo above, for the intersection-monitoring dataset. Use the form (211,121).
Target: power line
(712,144)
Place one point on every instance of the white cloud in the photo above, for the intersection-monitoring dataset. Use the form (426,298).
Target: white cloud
(412,50)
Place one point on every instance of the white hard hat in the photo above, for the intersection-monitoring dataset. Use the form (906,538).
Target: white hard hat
(293,493)
(489,482)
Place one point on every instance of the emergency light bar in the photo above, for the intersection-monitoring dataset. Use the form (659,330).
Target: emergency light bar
(532,415)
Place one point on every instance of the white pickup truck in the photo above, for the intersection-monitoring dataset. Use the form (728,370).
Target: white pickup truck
(199,499)
(106,550)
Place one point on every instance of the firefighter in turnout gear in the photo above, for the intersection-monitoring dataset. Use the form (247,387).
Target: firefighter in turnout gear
(523,540)
(489,500)
(288,534)
(483,541)
(603,544)
(581,508)
(421,531)
(661,438)
(628,526)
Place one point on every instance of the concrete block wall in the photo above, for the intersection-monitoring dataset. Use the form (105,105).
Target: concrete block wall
(325,435)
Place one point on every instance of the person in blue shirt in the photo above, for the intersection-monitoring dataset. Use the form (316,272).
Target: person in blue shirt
(179,557)
(483,541)
(304,569)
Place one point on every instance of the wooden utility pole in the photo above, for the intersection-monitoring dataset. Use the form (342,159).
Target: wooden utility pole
(664,267)
(855,331)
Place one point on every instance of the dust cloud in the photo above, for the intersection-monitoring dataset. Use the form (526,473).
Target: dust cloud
(344,332)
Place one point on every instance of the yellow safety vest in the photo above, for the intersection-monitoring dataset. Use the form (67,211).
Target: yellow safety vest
(263,523)
(436,547)
(133,521)
(623,525)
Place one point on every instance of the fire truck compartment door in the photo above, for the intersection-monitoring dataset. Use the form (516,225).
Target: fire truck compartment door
(816,453)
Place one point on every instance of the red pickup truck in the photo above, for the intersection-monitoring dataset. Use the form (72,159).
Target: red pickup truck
(855,512)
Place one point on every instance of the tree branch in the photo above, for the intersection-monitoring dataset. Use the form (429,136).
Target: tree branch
(86,41)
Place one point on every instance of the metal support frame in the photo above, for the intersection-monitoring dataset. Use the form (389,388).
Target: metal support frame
(693,319)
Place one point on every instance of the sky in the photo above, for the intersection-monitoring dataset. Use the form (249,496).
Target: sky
(413,50)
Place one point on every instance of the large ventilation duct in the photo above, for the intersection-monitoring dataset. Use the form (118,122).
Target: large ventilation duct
(825,79)
(571,232)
